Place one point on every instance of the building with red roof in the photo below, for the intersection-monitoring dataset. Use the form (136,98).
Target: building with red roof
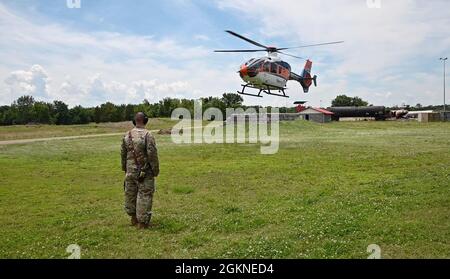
(318,115)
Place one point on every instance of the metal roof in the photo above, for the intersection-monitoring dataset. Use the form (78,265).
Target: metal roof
(320,110)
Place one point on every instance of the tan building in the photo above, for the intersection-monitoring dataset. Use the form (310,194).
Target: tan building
(429,117)
(318,115)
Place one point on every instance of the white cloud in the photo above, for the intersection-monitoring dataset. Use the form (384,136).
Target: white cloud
(102,90)
(154,91)
(70,92)
(29,82)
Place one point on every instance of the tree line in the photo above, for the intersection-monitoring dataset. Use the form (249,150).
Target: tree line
(346,101)
(26,110)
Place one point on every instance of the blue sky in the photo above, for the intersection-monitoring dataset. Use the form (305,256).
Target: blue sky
(177,19)
(125,51)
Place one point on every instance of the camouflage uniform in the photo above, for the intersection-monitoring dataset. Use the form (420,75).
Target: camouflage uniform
(139,195)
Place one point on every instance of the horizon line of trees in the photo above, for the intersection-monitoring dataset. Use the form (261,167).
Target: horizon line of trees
(346,101)
(26,110)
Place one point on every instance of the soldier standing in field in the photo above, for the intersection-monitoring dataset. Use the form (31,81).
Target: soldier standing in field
(141,165)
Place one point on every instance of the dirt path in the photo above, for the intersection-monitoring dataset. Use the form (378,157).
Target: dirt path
(23,141)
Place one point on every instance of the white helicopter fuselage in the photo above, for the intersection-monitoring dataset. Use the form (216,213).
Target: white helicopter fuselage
(263,80)
(266,73)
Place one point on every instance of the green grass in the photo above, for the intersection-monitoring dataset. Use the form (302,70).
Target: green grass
(329,192)
(46,131)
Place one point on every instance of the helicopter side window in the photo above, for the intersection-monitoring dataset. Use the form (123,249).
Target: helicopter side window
(266,67)
(273,68)
(255,65)
(286,65)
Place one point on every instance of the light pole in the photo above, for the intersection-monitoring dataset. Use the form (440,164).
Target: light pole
(444,60)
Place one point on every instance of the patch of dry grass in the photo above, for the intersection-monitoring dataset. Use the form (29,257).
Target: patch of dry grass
(46,131)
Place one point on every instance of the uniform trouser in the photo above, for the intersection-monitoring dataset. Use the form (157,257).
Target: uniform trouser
(139,197)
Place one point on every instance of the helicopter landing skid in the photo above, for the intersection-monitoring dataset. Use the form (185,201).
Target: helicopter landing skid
(267,91)
(247,94)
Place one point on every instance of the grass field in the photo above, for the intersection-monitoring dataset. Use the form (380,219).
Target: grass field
(47,131)
(329,192)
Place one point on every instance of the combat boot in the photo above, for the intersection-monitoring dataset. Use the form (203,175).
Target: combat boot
(142,226)
(134,221)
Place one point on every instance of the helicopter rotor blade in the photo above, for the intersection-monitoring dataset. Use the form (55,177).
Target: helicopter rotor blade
(246,39)
(314,45)
(298,57)
(241,50)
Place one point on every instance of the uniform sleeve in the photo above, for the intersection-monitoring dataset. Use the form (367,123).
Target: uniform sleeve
(152,154)
(123,154)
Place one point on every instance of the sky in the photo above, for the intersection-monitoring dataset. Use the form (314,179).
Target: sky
(127,51)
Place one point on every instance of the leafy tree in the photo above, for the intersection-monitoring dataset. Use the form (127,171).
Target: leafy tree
(119,113)
(24,107)
(188,104)
(42,112)
(128,113)
(342,101)
(232,100)
(358,102)
(4,110)
(61,113)
(108,112)
(10,115)
(97,114)
(146,108)
(167,105)
(80,115)
(346,101)
(213,102)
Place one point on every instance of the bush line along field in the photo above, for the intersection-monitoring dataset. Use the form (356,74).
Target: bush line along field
(329,192)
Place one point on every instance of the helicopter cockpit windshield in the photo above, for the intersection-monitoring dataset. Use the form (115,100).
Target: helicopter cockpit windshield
(250,62)
(253,65)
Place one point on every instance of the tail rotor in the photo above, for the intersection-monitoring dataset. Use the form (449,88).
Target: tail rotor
(305,79)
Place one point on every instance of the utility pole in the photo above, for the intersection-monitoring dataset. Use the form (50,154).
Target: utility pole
(444,60)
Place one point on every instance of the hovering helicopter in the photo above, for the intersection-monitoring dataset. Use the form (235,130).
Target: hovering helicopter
(271,73)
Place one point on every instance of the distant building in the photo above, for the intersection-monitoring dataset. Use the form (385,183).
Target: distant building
(429,117)
(415,114)
(318,115)
(253,117)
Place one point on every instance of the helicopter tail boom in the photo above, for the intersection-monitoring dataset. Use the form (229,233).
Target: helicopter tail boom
(306,80)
